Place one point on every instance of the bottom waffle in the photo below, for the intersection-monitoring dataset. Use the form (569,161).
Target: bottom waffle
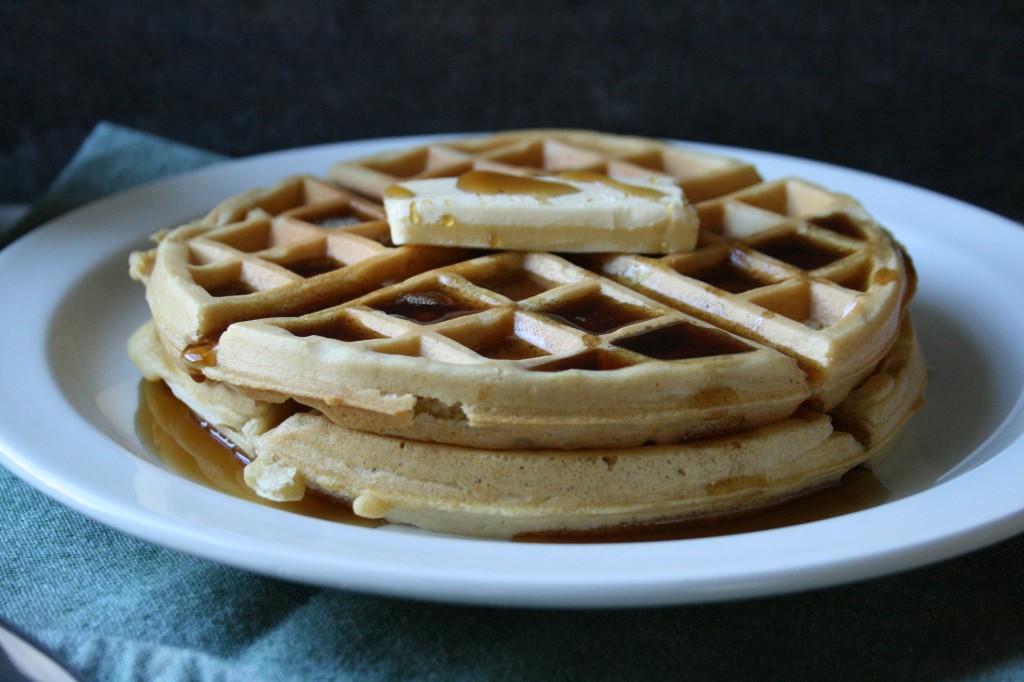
(502,493)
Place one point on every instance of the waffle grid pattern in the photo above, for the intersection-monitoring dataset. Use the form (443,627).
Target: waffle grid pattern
(780,266)
(431,370)
(532,309)
(700,175)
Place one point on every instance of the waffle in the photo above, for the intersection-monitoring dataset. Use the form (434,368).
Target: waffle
(793,266)
(475,491)
(301,246)
(789,314)
(792,297)
(532,152)
(785,263)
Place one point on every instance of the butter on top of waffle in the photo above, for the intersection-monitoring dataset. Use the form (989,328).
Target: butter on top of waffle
(574,211)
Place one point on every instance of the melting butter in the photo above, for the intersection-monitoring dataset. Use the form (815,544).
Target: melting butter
(575,211)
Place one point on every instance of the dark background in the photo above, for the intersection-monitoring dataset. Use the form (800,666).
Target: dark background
(926,92)
(930,93)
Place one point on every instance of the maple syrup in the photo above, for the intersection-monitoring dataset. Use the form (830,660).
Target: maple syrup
(199,355)
(339,328)
(426,307)
(800,251)
(203,354)
(510,347)
(596,314)
(624,187)
(491,182)
(884,276)
(398,192)
(682,341)
(192,449)
(730,277)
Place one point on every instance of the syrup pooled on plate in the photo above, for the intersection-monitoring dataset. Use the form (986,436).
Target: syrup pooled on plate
(194,451)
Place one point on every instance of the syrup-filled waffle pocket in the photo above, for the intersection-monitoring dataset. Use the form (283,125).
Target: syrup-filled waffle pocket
(790,265)
(584,362)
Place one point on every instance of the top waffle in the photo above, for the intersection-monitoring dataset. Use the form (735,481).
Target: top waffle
(792,296)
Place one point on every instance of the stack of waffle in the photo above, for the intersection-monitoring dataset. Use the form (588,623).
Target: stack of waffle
(494,393)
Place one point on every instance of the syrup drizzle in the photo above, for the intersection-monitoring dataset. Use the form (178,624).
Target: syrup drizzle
(491,182)
(800,251)
(624,187)
(199,355)
(425,307)
(683,341)
(398,192)
(596,314)
(510,347)
(190,448)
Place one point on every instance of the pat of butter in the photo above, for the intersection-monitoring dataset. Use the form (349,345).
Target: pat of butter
(575,211)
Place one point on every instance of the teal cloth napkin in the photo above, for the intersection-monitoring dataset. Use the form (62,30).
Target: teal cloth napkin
(119,609)
(111,159)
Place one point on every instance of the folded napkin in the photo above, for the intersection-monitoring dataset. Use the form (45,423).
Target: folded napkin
(119,609)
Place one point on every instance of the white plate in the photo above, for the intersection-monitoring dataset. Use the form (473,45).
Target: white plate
(68,398)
